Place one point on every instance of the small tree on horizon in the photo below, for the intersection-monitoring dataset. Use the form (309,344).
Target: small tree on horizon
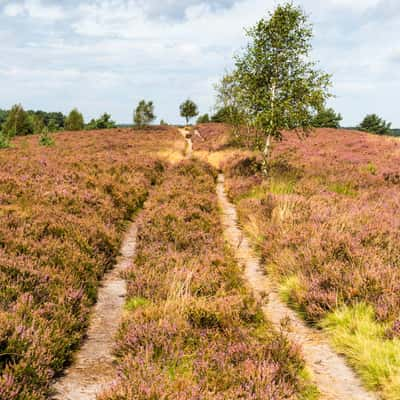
(74,121)
(188,110)
(327,118)
(374,124)
(278,87)
(18,122)
(144,114)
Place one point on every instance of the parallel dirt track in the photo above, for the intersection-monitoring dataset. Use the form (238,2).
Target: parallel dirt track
(93,368)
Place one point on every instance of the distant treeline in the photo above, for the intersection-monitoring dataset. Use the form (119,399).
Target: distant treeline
(18,122)
(55,120)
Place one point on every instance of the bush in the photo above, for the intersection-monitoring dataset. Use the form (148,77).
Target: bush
(373,124)
(104,122)
(327,118)
(45,139)
(74,121)
(4,141)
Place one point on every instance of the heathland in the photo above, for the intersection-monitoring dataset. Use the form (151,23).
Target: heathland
(325,225)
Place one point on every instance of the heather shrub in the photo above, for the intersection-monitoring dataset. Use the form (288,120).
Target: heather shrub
(327,228)
(62,216)
(246,166)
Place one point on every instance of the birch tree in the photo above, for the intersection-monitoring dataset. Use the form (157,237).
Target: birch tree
(281,87)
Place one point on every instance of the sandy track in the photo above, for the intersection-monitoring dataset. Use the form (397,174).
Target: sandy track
(187,135)
(334,379)
(93,368)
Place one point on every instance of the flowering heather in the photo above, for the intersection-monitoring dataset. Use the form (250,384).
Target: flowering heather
(62,211)
(327,224)
(192,330)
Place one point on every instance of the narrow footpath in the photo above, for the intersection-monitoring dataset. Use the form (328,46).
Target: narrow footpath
(93,368)
(187,135)
(333,377)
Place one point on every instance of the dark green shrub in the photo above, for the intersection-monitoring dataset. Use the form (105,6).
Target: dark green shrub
(327,118)
(372,123)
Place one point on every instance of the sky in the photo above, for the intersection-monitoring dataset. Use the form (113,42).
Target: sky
(106,55)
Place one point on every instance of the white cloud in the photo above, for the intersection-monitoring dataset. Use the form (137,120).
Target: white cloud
(13,9)
(34,9)
(114,52)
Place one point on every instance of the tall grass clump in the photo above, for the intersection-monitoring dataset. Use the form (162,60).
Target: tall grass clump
(199,333)
(356,333)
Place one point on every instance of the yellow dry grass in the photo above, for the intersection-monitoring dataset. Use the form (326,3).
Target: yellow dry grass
(217,158)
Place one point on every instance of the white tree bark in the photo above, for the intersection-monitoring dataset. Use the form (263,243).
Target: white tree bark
(268,141)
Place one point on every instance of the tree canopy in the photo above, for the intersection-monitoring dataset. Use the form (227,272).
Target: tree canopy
(374,124)
(17,122)
(188,110)
(327,118)
(74,121)
(104,122)
(275,86)
(144,114)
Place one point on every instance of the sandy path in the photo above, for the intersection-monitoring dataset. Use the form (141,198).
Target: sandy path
(93,368)
(189,144)
(334,379)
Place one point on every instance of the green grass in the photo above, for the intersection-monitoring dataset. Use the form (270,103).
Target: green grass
(370,168)
(311,392)
(355,333)
(258,192)
(281,186)
(343,188)
(290,286)
(136,302)
(182,368)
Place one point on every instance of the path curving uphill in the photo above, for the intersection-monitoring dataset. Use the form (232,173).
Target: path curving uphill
(93,369)
(333,377)
(187,135)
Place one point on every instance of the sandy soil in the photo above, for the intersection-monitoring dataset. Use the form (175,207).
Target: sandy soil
(93,368)
(333,377)
(187,135)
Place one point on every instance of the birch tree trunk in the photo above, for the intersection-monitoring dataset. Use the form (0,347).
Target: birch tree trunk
(271,133)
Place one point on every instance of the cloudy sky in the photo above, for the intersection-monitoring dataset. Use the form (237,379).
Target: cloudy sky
(105,55)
